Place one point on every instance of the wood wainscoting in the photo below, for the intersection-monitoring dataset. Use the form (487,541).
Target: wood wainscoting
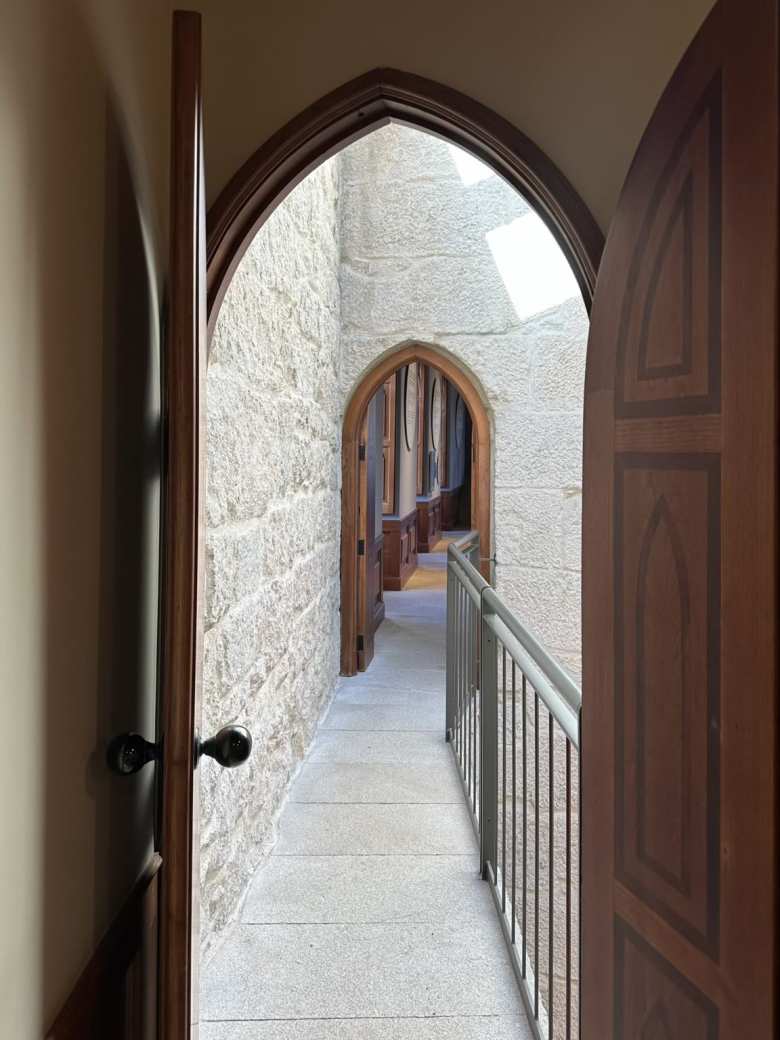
(116,995)
(451,507)
(400,550)
(428,522)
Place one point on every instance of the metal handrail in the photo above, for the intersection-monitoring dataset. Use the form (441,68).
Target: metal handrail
(498,672)
(561,695)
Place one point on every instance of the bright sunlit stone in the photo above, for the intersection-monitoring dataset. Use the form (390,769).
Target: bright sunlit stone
(535,272)
(470,169)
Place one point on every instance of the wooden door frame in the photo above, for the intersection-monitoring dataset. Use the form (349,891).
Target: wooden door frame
(184,391)
(346,114)
(482,440)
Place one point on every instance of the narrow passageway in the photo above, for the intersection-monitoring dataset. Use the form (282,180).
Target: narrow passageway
(369,921)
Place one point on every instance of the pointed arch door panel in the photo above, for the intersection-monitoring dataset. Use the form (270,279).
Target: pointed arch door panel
(667,697)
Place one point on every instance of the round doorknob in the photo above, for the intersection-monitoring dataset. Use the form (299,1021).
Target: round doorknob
(129,752)
(230,747)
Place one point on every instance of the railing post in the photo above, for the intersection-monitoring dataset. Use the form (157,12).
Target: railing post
(450,702)
(488,779)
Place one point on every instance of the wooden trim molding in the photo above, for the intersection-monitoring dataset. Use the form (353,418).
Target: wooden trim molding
(116,994)
(184,393)
(362,105)
(481,510)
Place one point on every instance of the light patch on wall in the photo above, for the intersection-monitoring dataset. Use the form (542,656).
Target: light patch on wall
(470,169)
(535,272)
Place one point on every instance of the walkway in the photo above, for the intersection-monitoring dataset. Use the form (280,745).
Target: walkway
(369,921)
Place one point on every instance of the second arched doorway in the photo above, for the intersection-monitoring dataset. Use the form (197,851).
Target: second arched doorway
(361,572)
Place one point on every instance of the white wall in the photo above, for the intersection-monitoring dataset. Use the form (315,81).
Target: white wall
(272,541)
(406,455)
(83,154)
(581,79)
(419,262)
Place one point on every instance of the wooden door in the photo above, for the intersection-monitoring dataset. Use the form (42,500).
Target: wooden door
(388,446)
(371,607)
(184,376)
(680,713)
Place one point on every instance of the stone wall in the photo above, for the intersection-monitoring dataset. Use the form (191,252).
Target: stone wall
(417,264)
(272,540)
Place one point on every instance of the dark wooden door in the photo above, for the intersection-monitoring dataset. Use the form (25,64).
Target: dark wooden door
(371,607)
(180,715)
(680,713)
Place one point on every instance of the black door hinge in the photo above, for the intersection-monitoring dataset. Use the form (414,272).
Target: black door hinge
(361,547)
(360,644)
(362,453)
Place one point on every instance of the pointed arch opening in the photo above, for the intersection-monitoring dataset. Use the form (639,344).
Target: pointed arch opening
(364,104)
(481,518)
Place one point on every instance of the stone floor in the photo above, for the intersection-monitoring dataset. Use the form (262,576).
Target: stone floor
(369,921)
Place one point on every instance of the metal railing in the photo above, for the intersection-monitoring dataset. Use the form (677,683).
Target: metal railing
(513,722)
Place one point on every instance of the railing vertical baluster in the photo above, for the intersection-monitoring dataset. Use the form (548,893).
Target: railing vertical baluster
(551,893)
(579,866)
(488,686)
(459,736)
(472,717)
(466,734)
(536,854)
(449,710)
(474,686)
(568,889)
(503,780)
(525,824)
(514,808)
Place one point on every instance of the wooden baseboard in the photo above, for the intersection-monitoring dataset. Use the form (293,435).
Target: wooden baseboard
(116,994)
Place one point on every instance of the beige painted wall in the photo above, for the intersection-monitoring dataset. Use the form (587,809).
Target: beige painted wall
(83,157)
(580,78)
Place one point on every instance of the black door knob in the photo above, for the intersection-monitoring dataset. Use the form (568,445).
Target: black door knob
(231,747)
(129,752)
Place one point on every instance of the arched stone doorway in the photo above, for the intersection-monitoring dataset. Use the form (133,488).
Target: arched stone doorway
(354,110)
(481,502)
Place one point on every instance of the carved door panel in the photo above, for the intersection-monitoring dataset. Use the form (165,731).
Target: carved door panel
(679,912)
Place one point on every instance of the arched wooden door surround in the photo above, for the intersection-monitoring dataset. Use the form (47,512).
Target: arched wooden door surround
(353,420)
(350,112)
(365,104)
